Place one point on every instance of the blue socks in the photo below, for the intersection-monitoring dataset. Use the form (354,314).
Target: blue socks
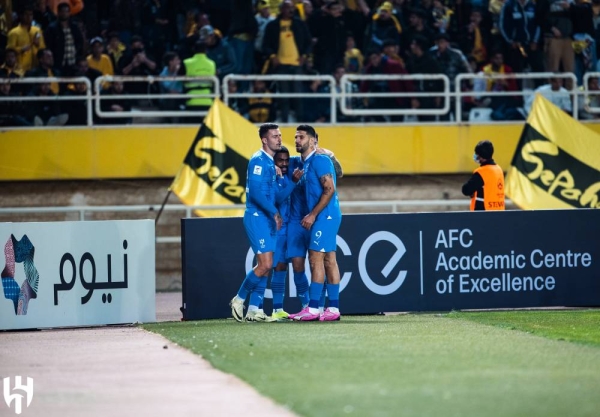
(258,293)
(249,284)
(301,283)
(315,295)
(323,294)
(333,291)
(278,288)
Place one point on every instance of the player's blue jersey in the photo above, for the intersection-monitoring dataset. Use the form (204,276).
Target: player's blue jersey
(284,206)
(315,166)
(261,185)
(298,207)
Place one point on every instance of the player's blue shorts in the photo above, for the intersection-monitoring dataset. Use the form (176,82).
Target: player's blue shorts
(262,233)
(323,235)
(281,248)
(297,240)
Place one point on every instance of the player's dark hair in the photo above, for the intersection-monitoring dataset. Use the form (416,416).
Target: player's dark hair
(282,150)
(310,131)
(264,129)
(485,149)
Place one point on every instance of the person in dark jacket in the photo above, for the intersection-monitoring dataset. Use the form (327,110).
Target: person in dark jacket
(327,26)
(242,32)
(521,34)
(554,17)
(65,40)
(381,64)
(286,44)
(421,62)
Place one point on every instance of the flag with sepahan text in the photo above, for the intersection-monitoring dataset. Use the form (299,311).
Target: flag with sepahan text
(556,164)
(213,172)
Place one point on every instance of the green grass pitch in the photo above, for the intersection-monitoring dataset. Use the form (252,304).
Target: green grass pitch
(518,363)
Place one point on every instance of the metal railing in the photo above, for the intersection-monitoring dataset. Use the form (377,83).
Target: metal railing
(520,76)
(337,100)
(227,95)
(346,95)
(151,80)
(586,93)
(50,80)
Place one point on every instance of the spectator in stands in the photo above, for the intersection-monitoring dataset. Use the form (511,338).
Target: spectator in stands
(65,40)
(237,104)
(421,62)
(82,69)
(242,33)
(495,41)
(77,109)
(11,65)
(262,18)
(583,35)
(521,34)
(327,27)
(115,49)
(287,43)
(474,38)
(125,18)
(554,17)
(156,29)
(391,50)
(172,68)
(592,100)
(261,109)
(46,112)
(219,51)
(118,105)
(555,92)
(98,60)
(451,60)
(353,58)
(379,64)
(11,112)
(350,88)
(45,69)
(136,63)
(504,107)
(42,14)
(383,26)
(26,39)
(442,16)
(417,27)
(76,6)
(199,65)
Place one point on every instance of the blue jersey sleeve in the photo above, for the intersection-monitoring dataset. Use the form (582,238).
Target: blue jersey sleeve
(260,182)
(285,191)
(323,166)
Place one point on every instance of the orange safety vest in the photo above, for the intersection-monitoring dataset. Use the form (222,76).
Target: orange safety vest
(493,188)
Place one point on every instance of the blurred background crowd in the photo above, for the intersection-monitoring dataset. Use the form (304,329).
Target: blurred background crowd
(91,38)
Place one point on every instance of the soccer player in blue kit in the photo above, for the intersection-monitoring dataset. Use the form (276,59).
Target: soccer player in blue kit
(262,220)
(323,221)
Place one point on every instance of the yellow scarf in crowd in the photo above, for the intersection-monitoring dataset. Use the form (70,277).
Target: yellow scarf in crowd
(487,70)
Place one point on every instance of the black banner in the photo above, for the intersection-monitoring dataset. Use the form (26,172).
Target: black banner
(418,262)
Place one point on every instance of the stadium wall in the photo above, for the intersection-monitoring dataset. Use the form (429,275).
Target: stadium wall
(158,151)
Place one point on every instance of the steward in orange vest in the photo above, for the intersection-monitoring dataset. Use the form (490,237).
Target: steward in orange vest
(486,185)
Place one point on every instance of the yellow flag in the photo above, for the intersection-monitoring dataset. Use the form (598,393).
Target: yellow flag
(556,163)
(214,169)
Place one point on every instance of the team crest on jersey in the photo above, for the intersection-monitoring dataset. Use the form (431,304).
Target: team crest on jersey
(262,243)
(257,170)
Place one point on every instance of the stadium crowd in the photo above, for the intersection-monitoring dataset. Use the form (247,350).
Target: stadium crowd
(90,38)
